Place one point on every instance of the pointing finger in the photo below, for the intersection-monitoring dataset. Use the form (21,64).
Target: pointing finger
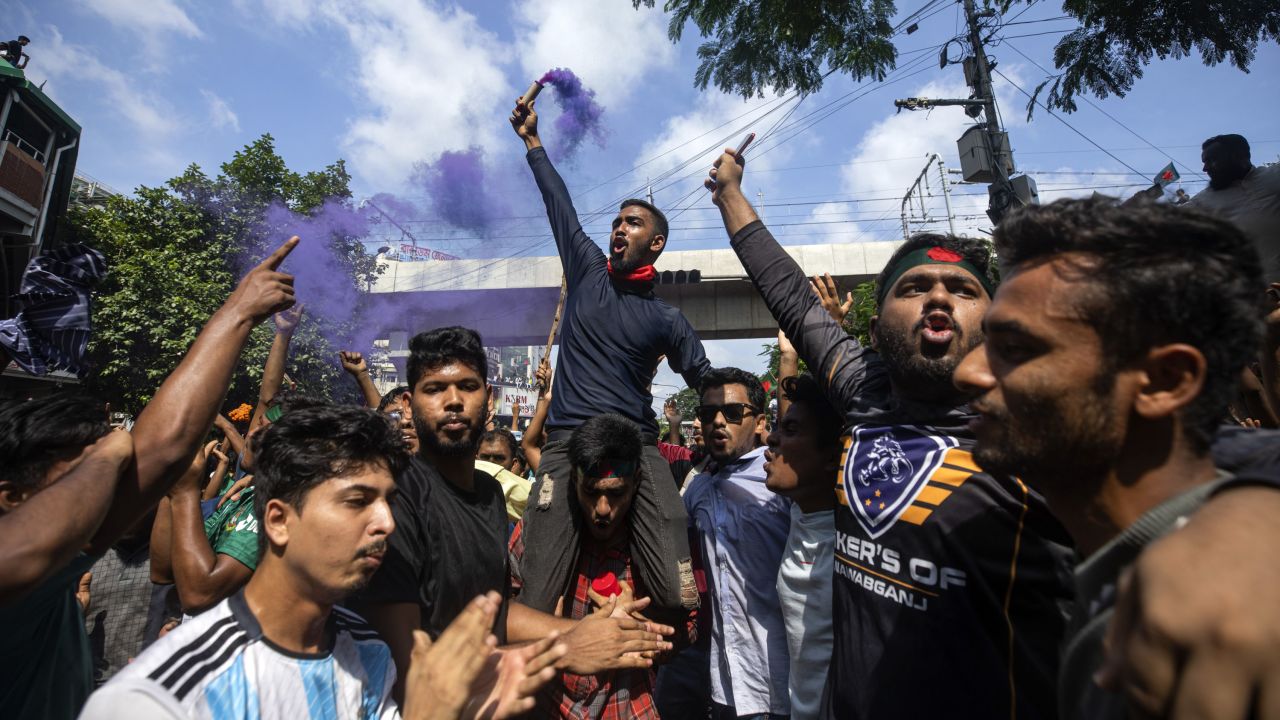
(274,259)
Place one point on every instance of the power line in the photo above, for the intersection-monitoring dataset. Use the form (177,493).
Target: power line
(1104,112)
(1069,125)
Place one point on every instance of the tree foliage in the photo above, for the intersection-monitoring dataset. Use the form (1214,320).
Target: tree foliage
(176,252)
(1118,38)
(752,45)
(781,44)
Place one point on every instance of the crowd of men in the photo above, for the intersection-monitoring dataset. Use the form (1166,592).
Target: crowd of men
(1023,498)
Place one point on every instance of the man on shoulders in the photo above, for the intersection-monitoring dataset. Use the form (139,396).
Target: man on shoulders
(614,331)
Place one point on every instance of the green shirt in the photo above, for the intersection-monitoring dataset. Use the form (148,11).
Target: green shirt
(44,651)
(233,530)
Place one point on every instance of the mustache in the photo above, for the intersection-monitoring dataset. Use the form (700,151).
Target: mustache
(377,547)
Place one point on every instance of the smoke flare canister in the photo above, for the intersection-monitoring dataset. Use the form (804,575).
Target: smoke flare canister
(607,585)
(535,87)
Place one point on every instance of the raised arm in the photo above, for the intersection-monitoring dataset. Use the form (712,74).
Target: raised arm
(354,363)
(672,413)
(172,426)
(836,358)
(273,372)
(203,577)
(533,433)
(578,254)
(788,367)
(234,439)
(46,531)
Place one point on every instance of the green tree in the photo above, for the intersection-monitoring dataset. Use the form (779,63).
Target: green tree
(781,44)
(175,252)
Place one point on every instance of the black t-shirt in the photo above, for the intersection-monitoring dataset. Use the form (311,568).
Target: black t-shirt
(448,547)
(13,51)
(951,585)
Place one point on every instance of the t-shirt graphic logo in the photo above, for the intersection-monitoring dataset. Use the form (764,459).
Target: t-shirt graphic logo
(885,468)
(886,462)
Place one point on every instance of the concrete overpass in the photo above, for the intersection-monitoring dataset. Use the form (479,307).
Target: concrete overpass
(512,301)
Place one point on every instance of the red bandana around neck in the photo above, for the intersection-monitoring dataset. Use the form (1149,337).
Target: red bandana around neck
(645,273)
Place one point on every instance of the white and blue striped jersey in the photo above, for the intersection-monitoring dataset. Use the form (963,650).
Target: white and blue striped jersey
(219,666)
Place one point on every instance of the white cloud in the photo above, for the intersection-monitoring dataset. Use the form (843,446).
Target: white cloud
(221,116)
(63,64)
(152,17)
(890,156)
(430,78)
(610,45)
(688,144)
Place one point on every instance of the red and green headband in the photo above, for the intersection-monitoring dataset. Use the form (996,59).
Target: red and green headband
(933,256)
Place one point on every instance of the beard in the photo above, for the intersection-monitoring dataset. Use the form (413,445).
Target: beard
(622,264)
(442,446)
(1059,443)
(927,378)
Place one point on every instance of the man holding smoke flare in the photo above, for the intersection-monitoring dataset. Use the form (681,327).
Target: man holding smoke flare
(614,333)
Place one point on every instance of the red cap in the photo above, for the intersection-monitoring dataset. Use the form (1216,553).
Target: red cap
(607,585)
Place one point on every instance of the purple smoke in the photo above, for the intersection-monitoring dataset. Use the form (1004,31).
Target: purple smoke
(580,113)
(459,190)
(321,263)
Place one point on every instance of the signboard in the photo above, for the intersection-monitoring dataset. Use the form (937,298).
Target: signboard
(505,395)
(413,253)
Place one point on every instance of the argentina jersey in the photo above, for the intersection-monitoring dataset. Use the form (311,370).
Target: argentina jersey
(219,666)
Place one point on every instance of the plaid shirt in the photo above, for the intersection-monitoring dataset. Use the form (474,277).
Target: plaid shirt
(611,695)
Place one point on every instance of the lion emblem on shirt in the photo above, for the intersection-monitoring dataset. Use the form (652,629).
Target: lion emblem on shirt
(885,462)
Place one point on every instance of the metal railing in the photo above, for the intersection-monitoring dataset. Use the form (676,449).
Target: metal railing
(17,141)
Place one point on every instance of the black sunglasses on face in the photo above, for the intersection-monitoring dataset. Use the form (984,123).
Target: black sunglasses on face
(733,412)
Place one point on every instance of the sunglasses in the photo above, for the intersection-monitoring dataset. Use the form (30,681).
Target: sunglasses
(733,412)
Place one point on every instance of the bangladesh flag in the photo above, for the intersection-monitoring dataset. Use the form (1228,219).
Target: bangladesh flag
(1166,176)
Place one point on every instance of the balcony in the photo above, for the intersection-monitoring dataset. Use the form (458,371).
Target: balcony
(21,183)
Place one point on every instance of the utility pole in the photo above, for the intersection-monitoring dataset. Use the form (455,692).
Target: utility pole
(760,204)
(993,138)
(650,193)
(1001,192)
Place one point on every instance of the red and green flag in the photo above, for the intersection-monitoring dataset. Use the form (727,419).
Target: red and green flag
(1166,176)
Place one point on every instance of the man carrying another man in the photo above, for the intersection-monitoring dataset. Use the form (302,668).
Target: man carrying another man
(614,331)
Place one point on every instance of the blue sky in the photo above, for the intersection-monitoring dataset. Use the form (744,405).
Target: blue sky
(160,84)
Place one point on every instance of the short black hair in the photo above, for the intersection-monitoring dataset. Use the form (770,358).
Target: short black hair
(975,251)
(35,434)
(290,400)
(432,349)
(24,39)
(393,396)
(804,390)
(719,377)
(311,445)
(1236,144)
(1159,274)
(504,435)
(606,440)
(660,226)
